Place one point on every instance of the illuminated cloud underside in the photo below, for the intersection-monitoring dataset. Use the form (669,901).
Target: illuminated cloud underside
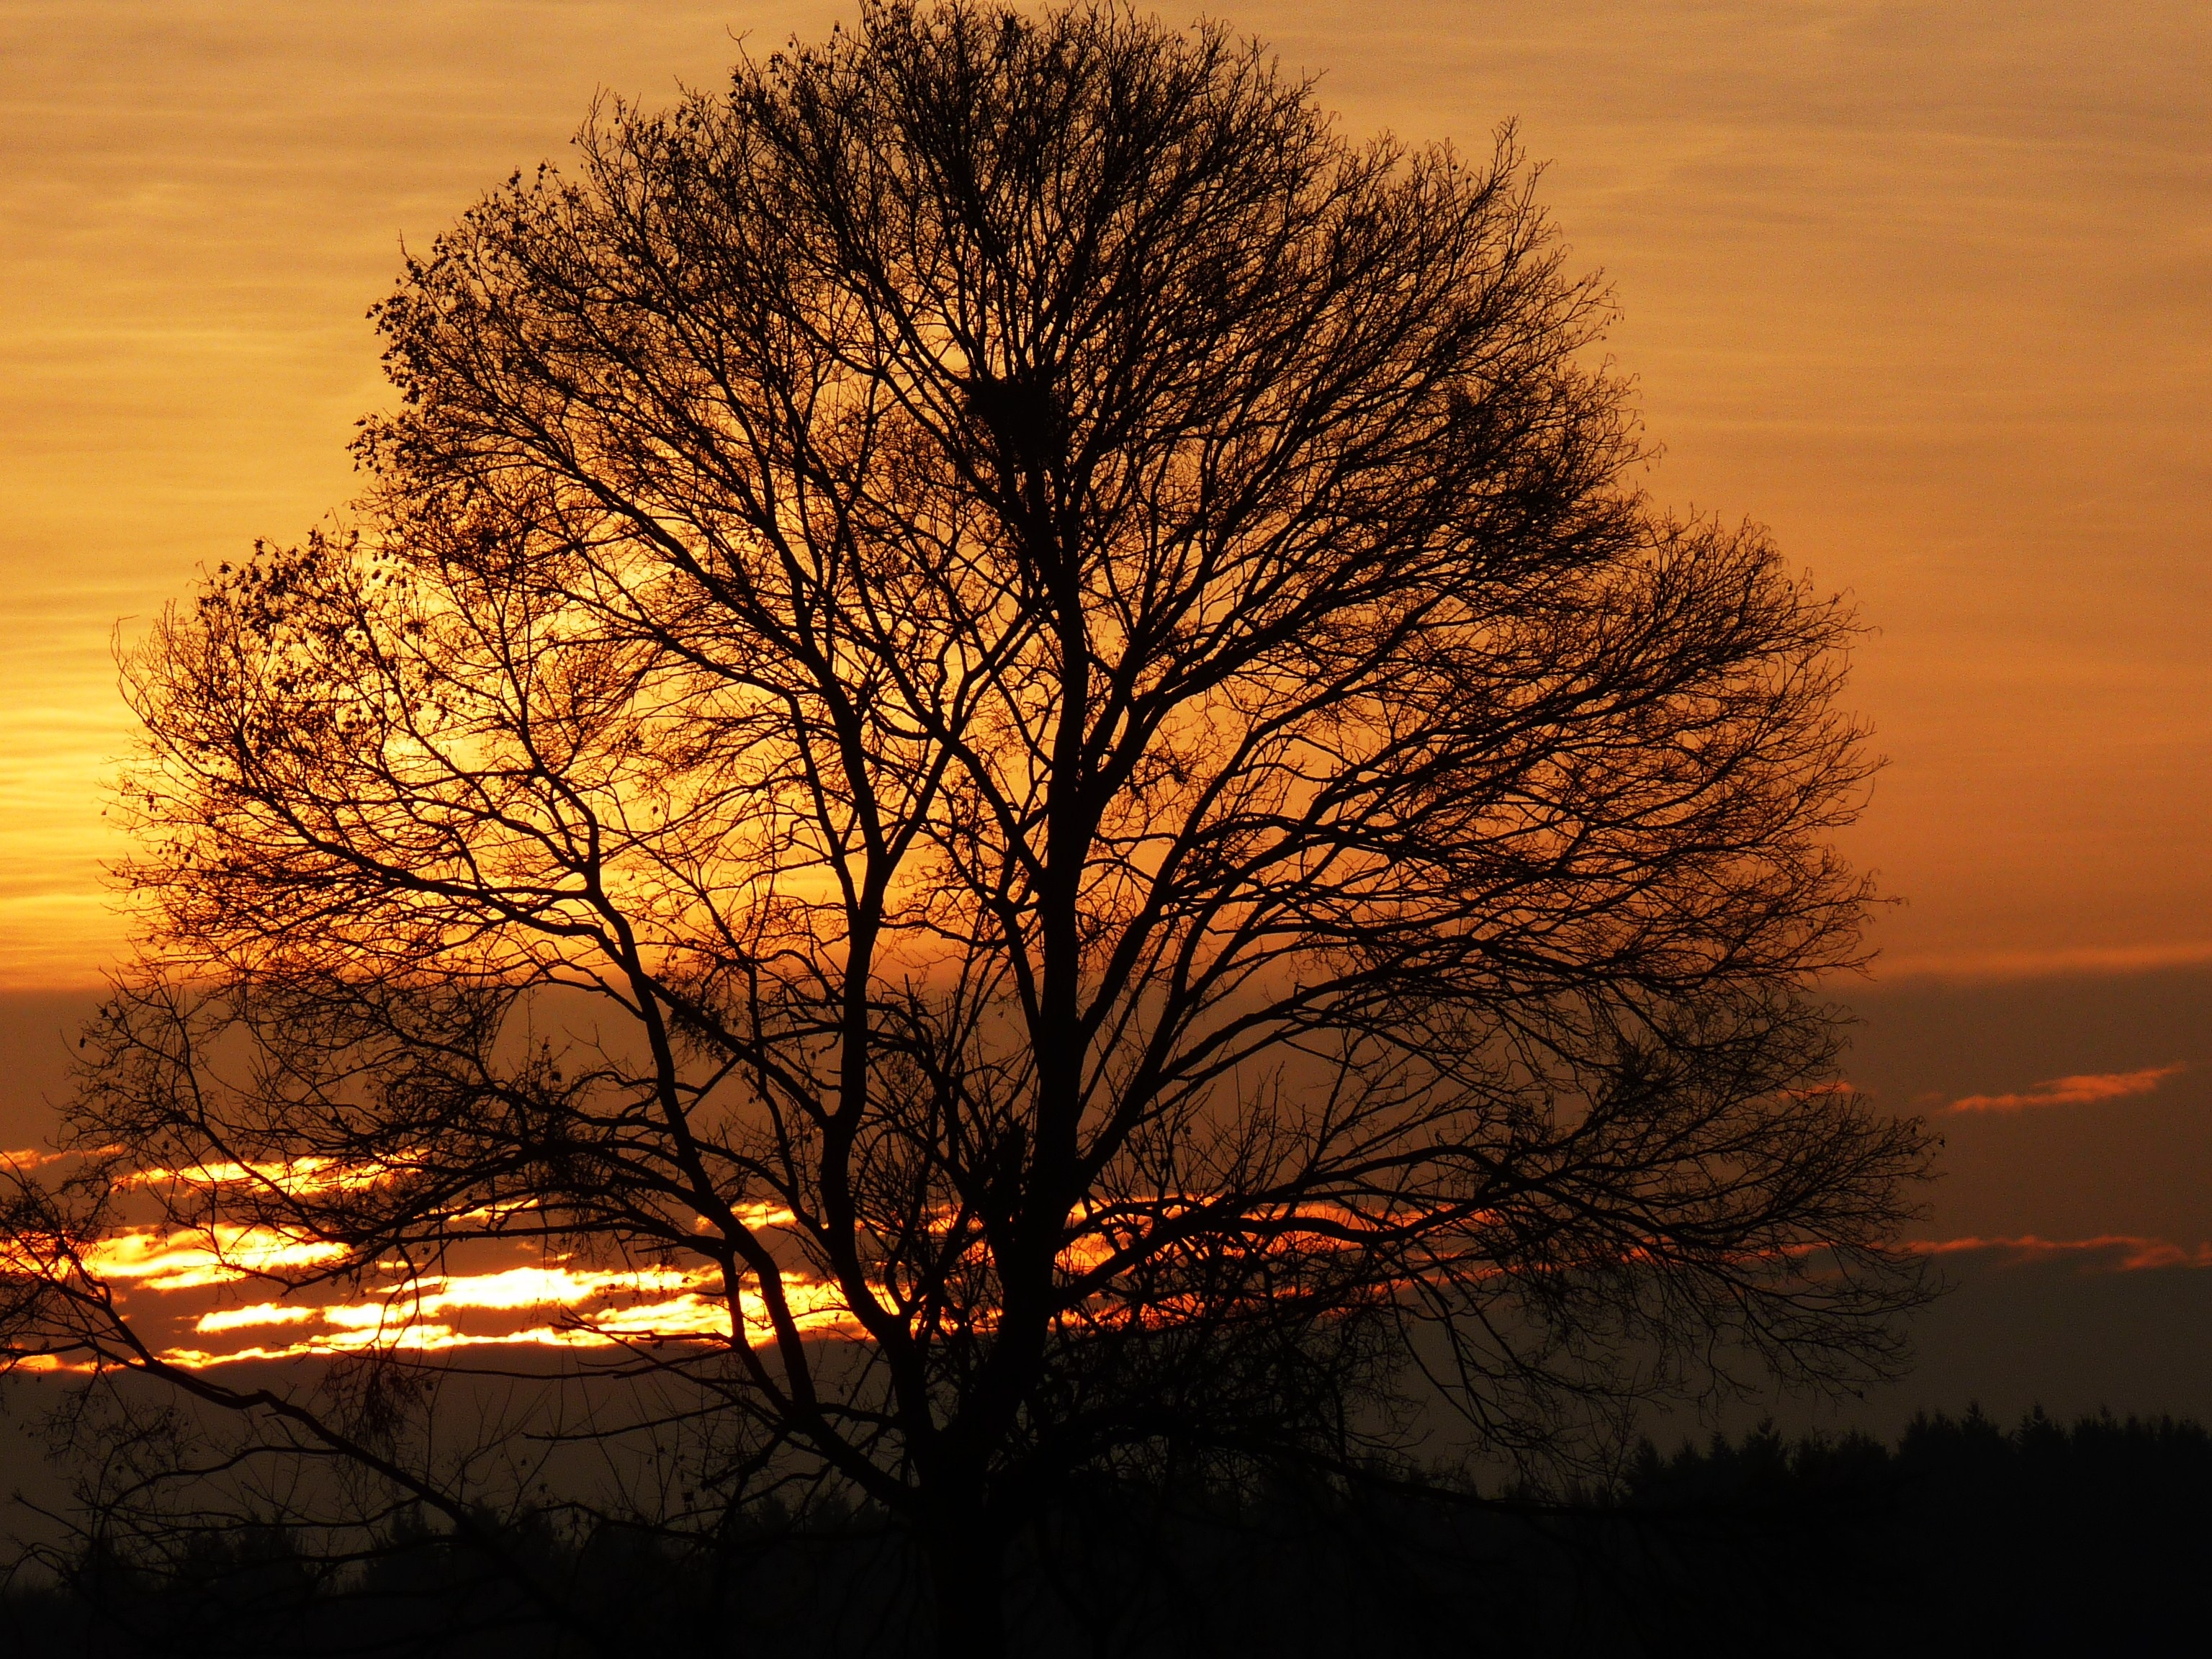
(558,1305)
(2112,1252)
(164,1276)
(551,1304)
(2085,1090)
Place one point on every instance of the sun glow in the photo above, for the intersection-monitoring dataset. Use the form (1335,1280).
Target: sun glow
(174,1282)
(328,1301)
(556,1303)
(562,1306)
(317,1296)
(297,1178)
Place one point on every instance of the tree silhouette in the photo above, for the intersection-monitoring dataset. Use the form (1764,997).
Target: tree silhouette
(994,687)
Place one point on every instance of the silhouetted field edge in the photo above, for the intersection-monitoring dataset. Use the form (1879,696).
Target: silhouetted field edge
(1962,1537)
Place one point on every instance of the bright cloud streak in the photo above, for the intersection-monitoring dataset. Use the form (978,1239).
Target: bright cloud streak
(221,1255)
(548,1304)
(29,1158)
(567,1308)
(2082,1091)
(556,1304)
(563,1305)
(261,1313)
(2133,1252)
(575,1309)
(297,1178)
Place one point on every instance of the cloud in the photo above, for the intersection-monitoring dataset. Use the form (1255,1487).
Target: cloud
(2000,966)
(2108,1252)
(2082,1091)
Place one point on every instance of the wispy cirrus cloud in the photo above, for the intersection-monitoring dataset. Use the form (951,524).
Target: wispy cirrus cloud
(2084,1090)
(2106,1253)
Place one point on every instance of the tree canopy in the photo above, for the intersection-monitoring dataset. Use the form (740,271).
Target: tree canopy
(1001,696)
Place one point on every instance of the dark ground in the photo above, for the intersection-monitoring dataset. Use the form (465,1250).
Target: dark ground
(1962,1537)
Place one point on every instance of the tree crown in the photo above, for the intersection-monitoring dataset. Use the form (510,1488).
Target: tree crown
(992,683)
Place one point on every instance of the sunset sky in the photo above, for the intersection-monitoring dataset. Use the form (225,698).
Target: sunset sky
(1927,287)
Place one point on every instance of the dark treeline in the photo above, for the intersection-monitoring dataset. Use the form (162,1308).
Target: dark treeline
(1964,1538)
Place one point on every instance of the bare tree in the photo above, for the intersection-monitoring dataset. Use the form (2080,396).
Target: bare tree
(994,684)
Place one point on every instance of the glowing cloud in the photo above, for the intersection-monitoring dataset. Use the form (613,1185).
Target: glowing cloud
(223,1254)
(2113,1252)
(552,1302)
(261,1313)
(297,1178)
(2084,1091)
(548,1304)
(564,1308)
(29,1158)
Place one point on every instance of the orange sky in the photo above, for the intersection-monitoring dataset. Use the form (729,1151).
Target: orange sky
(1926,286)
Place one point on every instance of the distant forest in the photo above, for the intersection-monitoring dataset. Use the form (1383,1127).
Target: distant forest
(1966,1537)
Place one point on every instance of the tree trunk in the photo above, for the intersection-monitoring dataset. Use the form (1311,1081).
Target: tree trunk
(965,1564)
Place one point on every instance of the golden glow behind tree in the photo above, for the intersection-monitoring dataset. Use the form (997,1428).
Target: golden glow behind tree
(995,674)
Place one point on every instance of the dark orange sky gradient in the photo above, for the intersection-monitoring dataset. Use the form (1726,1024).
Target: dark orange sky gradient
(1925,287)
